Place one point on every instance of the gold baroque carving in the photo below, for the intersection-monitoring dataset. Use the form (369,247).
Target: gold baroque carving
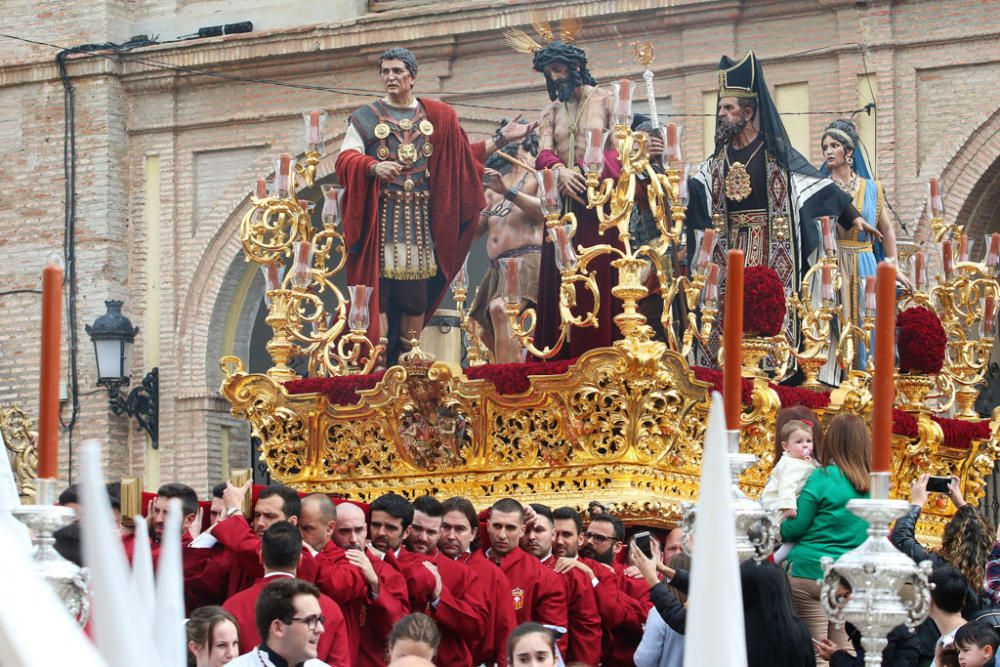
(15,430)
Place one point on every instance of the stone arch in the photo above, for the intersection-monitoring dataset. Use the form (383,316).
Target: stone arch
(972,180)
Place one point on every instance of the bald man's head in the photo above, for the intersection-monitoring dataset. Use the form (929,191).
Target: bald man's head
(351,529)
(318,520)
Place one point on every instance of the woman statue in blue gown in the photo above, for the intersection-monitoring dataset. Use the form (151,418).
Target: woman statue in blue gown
(857,252)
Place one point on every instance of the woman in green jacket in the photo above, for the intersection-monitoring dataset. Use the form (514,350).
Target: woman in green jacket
(823,526)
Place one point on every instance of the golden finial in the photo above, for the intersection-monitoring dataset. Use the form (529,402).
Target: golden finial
(643,53)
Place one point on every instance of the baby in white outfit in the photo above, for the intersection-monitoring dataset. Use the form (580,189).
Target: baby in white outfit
(783,487)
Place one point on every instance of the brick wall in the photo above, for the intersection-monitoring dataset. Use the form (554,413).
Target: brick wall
(937,94)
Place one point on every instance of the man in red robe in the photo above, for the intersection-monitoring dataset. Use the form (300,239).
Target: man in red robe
(275,503)
(459,530)
(369,618)
(413,191)
(585,631)
(536,591)
(457,603)
(281,549)
(623,600)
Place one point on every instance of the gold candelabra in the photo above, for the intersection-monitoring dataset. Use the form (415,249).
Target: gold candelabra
(613,201)
(817,318)
(477,353)
(307,312)
(961,299)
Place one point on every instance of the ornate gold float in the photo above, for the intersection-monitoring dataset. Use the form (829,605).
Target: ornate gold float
(623,425)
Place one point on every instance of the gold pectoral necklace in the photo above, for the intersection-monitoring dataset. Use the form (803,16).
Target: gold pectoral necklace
(737,178)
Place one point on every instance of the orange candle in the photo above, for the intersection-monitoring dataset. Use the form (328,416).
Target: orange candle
(995,244)
(869,295)
(548,181)
(989,314)
(918,271)
(963,248)
(596,136)
(48,391)
(827,233)
(946,258)
(624,90)
(712,287)
(707,243)
(935,188)
(883,387)
(313,137)
(733,339)
(624,97)
(827,286)
(672,140)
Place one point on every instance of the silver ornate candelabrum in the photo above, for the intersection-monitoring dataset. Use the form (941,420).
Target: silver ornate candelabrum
(69,581)
(875,586)
(757,530)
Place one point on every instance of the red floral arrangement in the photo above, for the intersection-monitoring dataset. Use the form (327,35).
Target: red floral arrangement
(921,341)
(764,302)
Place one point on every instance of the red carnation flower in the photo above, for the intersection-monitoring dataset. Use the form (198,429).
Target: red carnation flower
(921,341)
(764,303)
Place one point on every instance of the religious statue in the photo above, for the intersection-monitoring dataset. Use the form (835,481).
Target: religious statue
(858,252)
(578,105)
(512,221)
(412,196)
(761,195)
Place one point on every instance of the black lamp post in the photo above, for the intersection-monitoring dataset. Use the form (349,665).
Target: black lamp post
(112,334)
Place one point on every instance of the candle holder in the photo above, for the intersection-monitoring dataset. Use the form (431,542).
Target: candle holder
(613,201)
(306,310)
(757,530)
(966,302)
(885,588)
(69,581)
(475,350)
(816,322)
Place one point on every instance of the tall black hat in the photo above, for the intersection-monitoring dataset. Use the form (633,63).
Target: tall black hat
(745,79)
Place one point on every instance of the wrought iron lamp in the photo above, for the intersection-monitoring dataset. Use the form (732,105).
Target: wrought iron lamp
(112,334)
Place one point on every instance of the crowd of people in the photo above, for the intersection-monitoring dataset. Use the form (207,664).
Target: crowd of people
(309,580)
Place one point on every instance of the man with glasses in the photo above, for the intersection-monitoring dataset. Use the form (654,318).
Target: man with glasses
(298,622)
(623,601)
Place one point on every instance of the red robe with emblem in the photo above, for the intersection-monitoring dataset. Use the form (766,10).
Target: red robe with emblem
(333,647)
(623,603)
(368,621)
(537,592)
(501,620)
(456,199)
(585,629)
(243,545)
(461,612)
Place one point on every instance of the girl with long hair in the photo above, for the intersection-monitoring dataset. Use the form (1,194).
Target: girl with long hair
(213,637)
(965,545)
(823,526)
